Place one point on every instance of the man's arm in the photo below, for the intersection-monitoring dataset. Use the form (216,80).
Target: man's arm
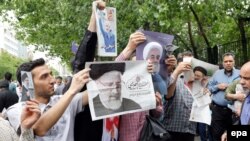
(134,40)
(212,84)
(86,50)
(49,118)
(182,66)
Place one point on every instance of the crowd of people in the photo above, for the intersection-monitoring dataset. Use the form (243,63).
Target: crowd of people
(60,110)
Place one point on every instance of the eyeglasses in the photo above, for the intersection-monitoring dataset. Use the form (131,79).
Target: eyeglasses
(110,85)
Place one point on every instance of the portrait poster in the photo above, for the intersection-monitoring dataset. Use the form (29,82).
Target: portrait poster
(106,31)
(27,86)
(211,68)
(117,88)
(146,51)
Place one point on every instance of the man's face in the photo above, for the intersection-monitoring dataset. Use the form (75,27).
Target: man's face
(245,78)
(228,63)
(107,26)
(198,75)
(109,85)
(154,58)
(58,82)
(43,81)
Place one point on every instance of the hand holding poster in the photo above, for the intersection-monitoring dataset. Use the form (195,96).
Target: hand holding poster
(118,88)
(106,30)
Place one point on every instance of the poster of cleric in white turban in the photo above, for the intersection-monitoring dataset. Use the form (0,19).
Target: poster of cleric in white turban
(117,88)
(154,50)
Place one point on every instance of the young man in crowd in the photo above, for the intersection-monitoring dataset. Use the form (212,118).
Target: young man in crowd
(44,90)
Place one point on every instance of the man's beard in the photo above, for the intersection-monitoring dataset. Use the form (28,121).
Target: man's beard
(156,68)
(114,104)
(246,91)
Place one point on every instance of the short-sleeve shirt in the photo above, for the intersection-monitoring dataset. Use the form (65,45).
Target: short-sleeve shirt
(63,130)
(177,110)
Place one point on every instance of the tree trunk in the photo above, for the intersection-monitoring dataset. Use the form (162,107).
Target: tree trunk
(243,39)
(209,50)
(194,48)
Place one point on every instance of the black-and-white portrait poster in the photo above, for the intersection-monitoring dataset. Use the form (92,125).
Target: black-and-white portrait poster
(27,86)
(118,88)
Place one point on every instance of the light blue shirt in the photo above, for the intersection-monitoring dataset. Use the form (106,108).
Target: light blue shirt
(245,113)
(220,77)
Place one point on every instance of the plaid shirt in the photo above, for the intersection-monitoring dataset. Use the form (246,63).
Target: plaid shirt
(131,124)
(178,109)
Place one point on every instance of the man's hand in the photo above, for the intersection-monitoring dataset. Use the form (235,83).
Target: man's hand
(30,114)
(171,62)
(206,91)
(158,99)
(240,96)
(224,136)
(222,86)
(79,80)
(183,66)
(100,4)
(150,67)
(135,39)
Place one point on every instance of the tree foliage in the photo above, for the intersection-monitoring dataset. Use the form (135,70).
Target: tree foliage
(198,25)
(9,63)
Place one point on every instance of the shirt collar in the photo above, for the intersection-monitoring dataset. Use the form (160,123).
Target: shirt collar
(230,74)
(45,107)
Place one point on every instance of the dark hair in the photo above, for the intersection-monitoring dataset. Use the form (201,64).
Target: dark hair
(97,70)
(28,66)
(59,77)
(200,69)
(228,54)
(4,84)
(187,53)
(8,76)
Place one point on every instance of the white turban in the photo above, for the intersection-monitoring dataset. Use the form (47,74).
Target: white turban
(149,47)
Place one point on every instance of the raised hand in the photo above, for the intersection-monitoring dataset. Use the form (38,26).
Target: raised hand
(171,62)
(135,39)
(79,80)
(30,114)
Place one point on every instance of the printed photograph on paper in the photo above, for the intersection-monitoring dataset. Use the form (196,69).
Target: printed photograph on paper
(118,88)
(106,31)
(154,50)
(211,68)
(27,86)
